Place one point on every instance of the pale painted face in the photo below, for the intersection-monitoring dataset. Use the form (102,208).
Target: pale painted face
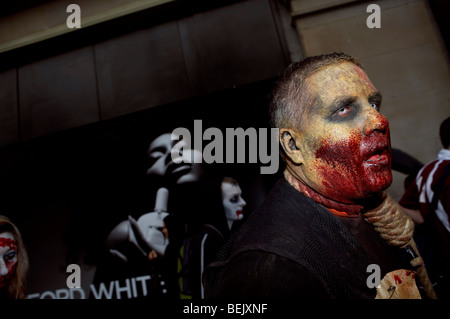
(8,257)
(233,203)
(161,164)
(344,144)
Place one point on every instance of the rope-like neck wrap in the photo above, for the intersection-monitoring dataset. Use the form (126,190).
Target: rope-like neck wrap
(397,229)
(381,211)
(390,221)
(386,216)
(350,209)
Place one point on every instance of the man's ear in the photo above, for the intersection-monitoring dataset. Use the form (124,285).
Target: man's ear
(289,140)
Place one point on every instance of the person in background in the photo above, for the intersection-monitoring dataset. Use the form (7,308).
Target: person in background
(222,212)
(13,261)
(427,201)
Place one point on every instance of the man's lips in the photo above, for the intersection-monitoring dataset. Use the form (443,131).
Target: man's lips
(239,212)
(379,156)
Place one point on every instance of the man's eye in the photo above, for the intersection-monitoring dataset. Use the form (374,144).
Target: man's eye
(375,106)
(343,111)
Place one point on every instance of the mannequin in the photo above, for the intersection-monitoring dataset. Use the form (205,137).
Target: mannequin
(148,234)
(167,173)
(150,242)
(161,164)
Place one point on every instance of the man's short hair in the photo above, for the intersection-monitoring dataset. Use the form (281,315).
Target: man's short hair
(444,132)
(292,95)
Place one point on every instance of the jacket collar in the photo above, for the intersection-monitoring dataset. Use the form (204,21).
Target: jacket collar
(444,154)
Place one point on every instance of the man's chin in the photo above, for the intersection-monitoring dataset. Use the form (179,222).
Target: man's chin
(383,180)
(368,188)
(376,185)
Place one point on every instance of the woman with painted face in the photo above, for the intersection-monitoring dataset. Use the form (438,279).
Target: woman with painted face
(232,201)
(221,213)
(13,261)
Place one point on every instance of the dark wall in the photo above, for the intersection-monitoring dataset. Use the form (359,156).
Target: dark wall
(101,72)
(77,114)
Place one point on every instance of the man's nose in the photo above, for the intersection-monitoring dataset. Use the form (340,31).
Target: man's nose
(375,122)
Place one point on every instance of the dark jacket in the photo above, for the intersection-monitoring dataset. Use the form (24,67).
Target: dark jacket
(201,247)
(293,247)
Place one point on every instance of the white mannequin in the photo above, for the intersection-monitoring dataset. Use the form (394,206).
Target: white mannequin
(159,153)
(148,233)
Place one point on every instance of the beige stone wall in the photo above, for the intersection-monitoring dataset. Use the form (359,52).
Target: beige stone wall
(49,19)
(405,59)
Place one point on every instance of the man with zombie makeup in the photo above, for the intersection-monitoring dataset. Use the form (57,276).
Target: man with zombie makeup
(13,261)
(328,218)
